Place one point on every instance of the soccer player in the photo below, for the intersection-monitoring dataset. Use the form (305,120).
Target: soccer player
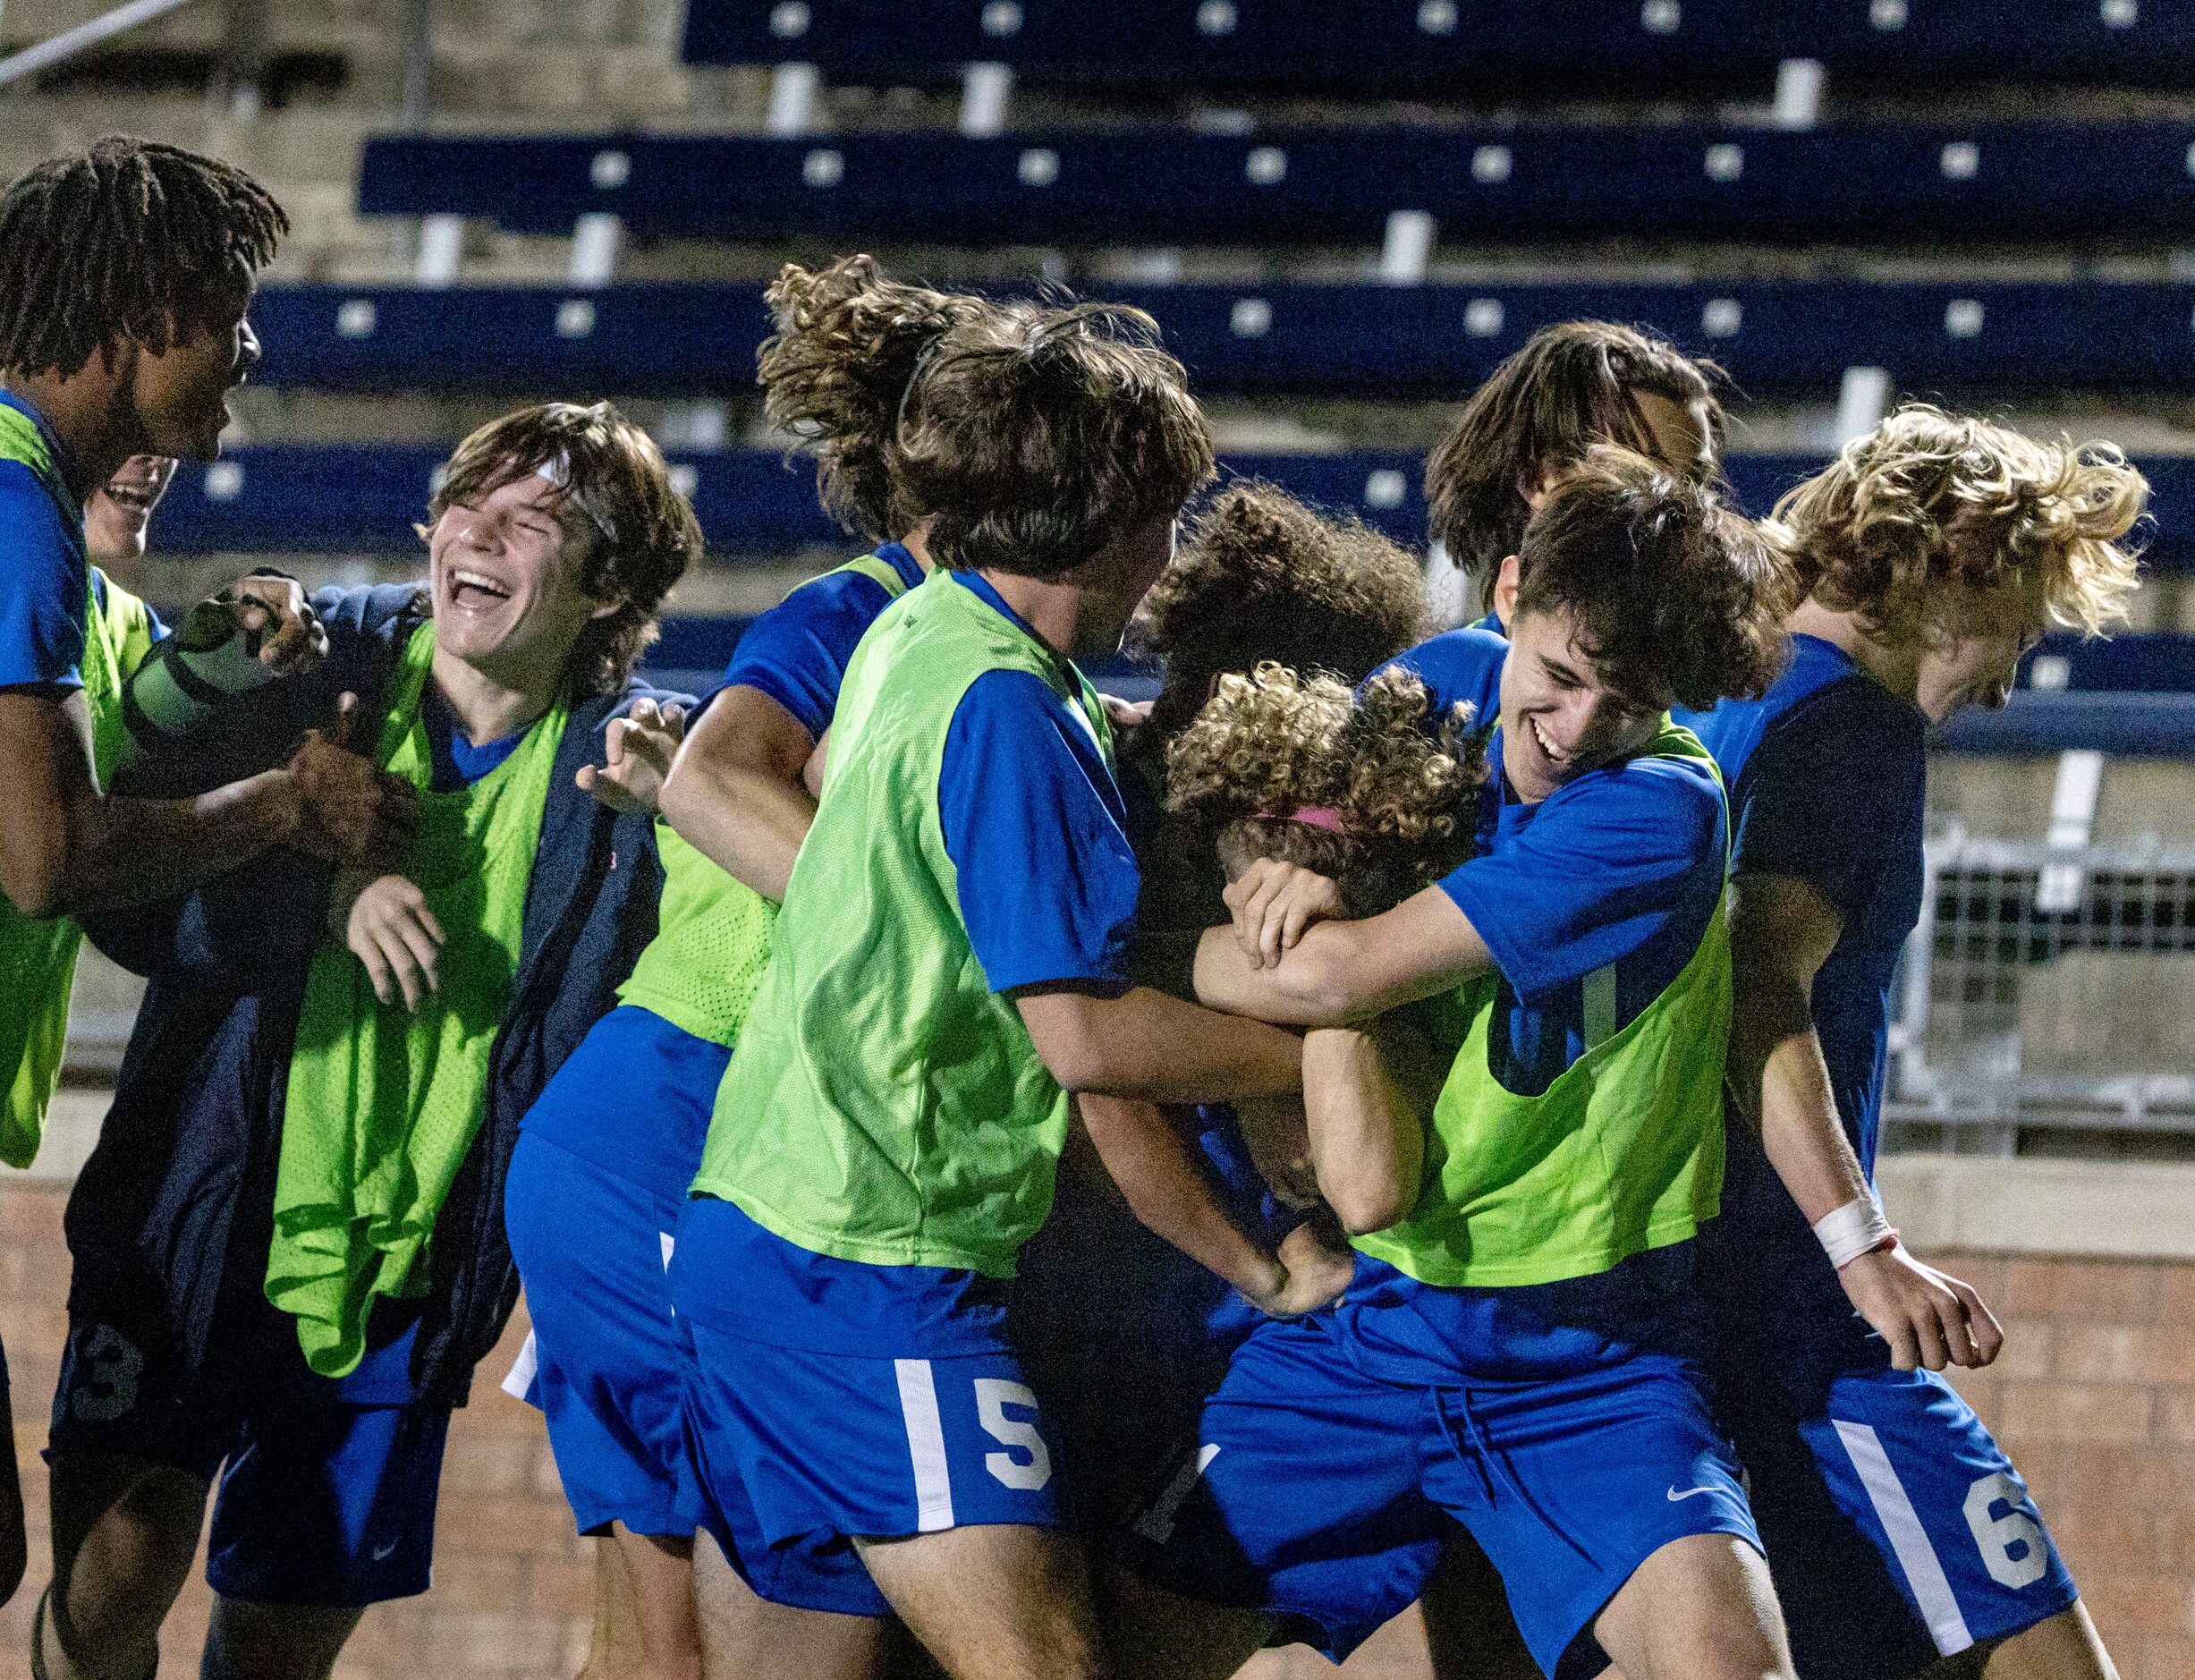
(1519,1353)
(948,968)
(616,1137)
(1572,385)
(1935,551)
(288,1245)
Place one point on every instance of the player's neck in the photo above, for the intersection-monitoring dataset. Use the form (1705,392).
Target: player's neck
(90,413)
(493,704)
(917,543)
(1896,668)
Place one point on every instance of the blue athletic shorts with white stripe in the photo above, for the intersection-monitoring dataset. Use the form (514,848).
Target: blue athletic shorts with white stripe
(592,1249)
(1326,1497)
(825,1446)
(1897,1531)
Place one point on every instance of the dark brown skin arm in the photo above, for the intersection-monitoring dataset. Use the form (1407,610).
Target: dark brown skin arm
(65,848)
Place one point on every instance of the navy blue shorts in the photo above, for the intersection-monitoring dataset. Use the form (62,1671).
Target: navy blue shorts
(1897,1531)
(607,1349)
(1326,1499)
(321,1500)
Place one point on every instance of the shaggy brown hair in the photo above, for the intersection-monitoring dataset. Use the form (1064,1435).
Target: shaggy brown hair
(1930,510)
(1035,439)
(614,493)
(832,375)
(129,239)
(1273,743)
(1676,595)
(1572,385)
(1260,576)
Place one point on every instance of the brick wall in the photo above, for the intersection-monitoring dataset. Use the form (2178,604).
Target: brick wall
(2094,1396)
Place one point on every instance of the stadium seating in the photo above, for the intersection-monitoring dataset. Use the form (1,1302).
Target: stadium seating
(2036,183)
(360,498)
(699,340)
(1376,45)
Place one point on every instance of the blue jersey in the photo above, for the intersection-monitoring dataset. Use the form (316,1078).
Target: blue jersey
(44,576)
(1458,664)
(1620,868)
(1827,778)
(796,653)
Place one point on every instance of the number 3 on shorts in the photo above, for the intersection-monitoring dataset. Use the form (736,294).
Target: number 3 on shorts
(2013,1547)
(994,1394)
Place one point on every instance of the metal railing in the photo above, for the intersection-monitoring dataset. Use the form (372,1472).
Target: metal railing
(2048,990)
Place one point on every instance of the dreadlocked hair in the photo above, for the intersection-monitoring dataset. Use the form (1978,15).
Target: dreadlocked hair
(1272,744)
(1262,577)
(129,239)
(834,374)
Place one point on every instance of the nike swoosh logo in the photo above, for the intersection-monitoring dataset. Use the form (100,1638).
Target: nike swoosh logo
(1672,1495)
(381,1552)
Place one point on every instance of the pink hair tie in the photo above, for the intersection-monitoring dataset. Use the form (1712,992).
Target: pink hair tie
(1317,816)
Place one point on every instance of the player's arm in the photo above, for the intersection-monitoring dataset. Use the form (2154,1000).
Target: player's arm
(1782,930)
(735,793)
(64,849)
(1151,1047)
(1160,1180)
(1338,972)
(1367,1093)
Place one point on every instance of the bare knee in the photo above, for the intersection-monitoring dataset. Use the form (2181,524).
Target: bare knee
(275,1641)
(1700,1608)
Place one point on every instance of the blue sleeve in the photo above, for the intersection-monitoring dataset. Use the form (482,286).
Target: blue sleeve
(1034,826)
(1604,867)
(43,583)
(1828,781)
(796,653)
(1458,666)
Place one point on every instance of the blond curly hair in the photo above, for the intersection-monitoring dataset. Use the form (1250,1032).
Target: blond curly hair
(1911,522)
(1272,743)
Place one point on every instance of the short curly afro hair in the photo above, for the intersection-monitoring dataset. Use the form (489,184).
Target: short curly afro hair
(1261,577)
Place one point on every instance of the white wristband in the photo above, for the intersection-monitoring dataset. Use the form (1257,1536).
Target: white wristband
(1857,1229)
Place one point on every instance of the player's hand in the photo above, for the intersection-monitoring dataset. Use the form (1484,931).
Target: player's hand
(637,752)
(386,922)
(1927,1317)
(1273,903)
(354,814)
(1314,1274)
(280,628)
(1125,714)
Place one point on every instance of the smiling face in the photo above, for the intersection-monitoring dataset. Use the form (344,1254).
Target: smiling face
(179,395)
(117,514)
(1559,719)
(504,573)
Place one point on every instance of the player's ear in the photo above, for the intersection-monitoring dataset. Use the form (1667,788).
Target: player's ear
(1505,602)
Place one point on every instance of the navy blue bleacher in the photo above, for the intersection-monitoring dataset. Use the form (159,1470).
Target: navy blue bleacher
(1395,45)
(2034,183)
(698,340)
(362,498)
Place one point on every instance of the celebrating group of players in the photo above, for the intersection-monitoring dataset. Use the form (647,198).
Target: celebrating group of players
(1053,1188)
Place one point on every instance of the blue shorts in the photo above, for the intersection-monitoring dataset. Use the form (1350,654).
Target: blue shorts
(592,1249)
(1326,1497)
(826,1447)
(1897,1531)
(323,1501)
